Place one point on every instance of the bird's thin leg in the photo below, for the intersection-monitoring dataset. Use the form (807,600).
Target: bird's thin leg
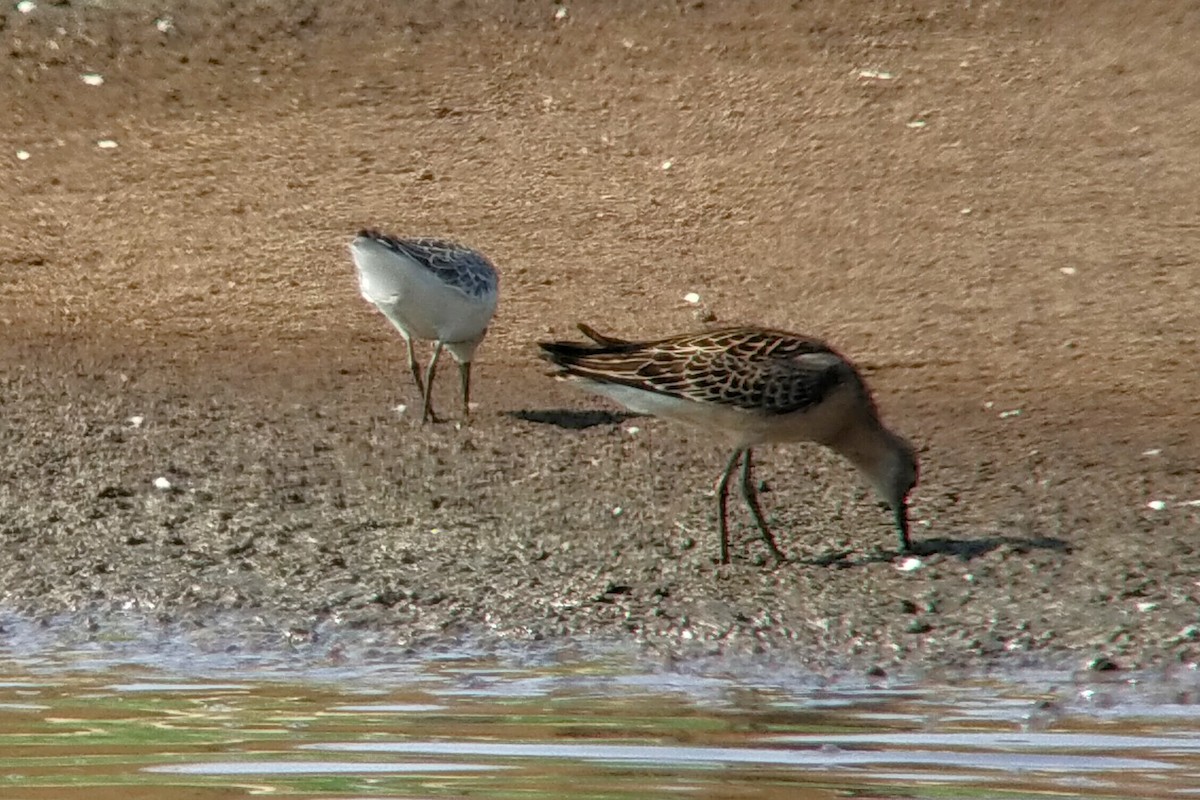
(412,365)
(464,377)
(750,495)
(723,503)
(901,513)
(427,414)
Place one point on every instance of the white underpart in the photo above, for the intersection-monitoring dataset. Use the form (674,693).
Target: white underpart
(746,427)
(418,303)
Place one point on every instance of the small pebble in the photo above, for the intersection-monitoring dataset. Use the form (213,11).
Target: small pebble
(1103,664)
(1044,714)
(1188,633)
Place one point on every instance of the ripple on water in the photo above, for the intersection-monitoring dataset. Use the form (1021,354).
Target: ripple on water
(383,722)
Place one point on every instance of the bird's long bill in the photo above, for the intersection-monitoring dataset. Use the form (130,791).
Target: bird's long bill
(464,379)
(900,510)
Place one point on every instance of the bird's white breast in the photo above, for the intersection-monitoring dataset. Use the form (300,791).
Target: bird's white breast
(415,300)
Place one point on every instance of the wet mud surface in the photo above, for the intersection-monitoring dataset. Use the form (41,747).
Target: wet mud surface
(990,207)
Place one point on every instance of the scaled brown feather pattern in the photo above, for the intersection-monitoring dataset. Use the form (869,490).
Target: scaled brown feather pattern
(750,368)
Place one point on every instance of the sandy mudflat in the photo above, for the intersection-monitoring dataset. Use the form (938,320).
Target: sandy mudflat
(990,206)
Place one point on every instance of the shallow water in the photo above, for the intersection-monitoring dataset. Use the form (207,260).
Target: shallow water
(121,717)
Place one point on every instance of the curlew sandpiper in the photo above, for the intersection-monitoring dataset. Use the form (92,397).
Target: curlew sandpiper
(758,386)
(429,289)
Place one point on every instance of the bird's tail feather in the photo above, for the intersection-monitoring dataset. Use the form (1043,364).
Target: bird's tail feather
(599,338)
(563,353)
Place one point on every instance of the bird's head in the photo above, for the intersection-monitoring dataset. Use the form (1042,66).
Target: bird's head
(895,476)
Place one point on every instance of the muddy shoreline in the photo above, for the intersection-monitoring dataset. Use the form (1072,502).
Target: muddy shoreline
(985,208)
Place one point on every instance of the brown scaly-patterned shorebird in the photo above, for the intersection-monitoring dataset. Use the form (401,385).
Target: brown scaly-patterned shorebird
(429,289)
(758,386)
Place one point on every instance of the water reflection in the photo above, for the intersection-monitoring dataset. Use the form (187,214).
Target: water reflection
(820,757)
(316,768)
(113,719)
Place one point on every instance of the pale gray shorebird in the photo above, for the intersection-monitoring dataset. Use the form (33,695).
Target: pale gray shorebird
(758,386)
(429,289)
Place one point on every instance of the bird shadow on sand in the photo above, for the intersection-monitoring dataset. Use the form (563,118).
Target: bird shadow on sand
(572,419)
(962,549)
